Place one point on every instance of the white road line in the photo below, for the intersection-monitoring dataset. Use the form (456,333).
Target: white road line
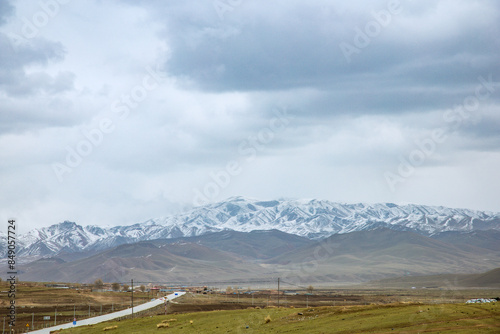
(110,316)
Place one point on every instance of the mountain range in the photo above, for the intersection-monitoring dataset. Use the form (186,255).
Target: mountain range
(312,219)
(258,256)
(301,241)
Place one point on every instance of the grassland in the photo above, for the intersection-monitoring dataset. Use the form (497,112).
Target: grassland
(350,310)
(392,318)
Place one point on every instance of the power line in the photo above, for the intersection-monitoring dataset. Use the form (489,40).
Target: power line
(298,286)
(200,282)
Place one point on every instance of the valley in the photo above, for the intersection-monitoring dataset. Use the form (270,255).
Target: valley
(322,310)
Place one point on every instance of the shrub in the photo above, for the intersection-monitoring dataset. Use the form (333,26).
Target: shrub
(267,319)
(98,284)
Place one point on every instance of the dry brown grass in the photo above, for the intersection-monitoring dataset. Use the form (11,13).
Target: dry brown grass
(110,328)
(162,325)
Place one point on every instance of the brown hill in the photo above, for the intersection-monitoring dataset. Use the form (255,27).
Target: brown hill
(368,255)
(249,245)
(489,240)
(145,262)
(489,279)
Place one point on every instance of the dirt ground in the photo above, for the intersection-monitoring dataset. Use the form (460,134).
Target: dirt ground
(346,297)
(34,301)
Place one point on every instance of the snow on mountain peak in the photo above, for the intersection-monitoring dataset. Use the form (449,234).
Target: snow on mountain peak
(311,218)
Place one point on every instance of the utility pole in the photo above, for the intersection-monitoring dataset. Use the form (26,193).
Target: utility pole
(55,317)
(278,292)
(132,283)
(32,321)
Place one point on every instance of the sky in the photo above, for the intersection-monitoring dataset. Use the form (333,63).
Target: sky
(114,112)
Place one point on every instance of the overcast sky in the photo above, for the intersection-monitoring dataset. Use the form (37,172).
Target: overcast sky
(114,112)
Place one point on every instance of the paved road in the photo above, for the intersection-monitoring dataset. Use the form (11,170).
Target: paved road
(110,316)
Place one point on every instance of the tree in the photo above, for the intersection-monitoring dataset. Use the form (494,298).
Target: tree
(310,289)
(229,290)
(115,286)
(98,284)
(143,288)
(125,287)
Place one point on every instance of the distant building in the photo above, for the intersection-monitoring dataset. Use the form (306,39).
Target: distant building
(57,286)
(290,293)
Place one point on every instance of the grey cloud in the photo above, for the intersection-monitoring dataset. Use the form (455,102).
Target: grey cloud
(15,57)
(18,115)
(483,134)
(17,52)
(297,46)
(6,10)
(20,86)
(42,83)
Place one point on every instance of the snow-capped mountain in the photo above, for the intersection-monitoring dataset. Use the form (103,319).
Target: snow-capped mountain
(318,219)
(314,219)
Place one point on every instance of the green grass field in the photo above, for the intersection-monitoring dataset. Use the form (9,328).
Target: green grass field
(397,318)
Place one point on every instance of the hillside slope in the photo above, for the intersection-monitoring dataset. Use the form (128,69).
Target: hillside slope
(344,258)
